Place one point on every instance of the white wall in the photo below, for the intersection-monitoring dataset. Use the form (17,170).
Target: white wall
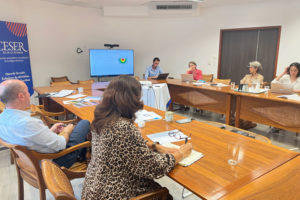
(55,31)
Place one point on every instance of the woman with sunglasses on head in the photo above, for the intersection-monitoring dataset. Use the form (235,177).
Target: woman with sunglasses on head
(290,75)
(123,164)
(251,79)
(254,77)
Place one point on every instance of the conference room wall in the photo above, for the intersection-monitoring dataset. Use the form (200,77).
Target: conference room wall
(55,31)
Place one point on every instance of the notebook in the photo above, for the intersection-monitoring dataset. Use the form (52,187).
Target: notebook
(193,157)
(282,88)
(162,76)
(187,77)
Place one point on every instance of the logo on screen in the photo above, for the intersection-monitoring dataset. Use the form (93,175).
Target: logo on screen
(122,60)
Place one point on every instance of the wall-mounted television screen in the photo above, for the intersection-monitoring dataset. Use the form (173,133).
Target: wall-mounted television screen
(111,62)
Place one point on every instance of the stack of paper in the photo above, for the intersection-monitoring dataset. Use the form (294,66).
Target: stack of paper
(193,157)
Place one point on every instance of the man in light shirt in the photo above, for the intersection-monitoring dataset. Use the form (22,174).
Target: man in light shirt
(154,70)
(18,127)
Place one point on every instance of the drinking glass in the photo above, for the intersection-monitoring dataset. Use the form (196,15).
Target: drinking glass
(232,85)
(267,87)
(233,152)
(80,90)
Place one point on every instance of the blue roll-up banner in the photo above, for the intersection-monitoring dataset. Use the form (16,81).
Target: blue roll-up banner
(14,53)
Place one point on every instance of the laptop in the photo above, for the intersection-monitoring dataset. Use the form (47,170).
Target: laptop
(162,76)
(282,88)
(187,77)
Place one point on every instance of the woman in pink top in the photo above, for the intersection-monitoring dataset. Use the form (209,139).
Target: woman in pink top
(197,73)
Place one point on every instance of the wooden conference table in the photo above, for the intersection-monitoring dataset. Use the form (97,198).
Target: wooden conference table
(205,97)
(210,177)
(264,108)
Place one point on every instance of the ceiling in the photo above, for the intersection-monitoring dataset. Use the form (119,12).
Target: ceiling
(129,3)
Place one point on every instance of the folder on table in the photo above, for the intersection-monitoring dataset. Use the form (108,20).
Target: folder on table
(193,157)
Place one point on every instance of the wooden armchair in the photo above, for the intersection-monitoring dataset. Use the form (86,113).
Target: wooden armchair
(60,187)
(9,146)
(207,77)
(60,79)
(63,80)
(224,81)
(60,83)
(46,116)
(57,181)
(161,194)
(90,81)
(28,167)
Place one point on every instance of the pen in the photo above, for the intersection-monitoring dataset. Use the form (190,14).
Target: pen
(186,139)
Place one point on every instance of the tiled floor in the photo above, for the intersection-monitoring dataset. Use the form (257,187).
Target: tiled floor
(8,178)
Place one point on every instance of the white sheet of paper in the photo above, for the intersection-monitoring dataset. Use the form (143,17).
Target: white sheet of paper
(144,115)
(75,96)
(295,97)
(193,157)
(166,137)
(63,93)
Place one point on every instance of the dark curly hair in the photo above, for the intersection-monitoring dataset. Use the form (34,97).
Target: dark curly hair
(295,64)
(122,98)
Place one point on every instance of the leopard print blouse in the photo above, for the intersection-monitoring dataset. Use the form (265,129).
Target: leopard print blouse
(122,166)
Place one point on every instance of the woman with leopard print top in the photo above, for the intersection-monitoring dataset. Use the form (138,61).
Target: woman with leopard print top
(123,164)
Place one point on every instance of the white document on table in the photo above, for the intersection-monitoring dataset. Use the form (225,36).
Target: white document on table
(75,96)
(168,136)
(295,97)
(193,157)
(144,115)
(62,93)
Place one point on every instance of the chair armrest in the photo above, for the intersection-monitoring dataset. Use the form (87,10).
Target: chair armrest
(73,174)
(41,156)
(49,120)
(39,110)
(53,114)
(163,193)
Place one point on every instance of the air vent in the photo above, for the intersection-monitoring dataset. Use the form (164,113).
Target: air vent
(175,7)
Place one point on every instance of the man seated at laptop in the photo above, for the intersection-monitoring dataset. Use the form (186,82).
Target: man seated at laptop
(290,76)
(154,70)
(17,127)
(197,73)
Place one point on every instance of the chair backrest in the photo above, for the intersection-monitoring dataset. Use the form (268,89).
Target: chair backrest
(60,83)
(28,167)
(59,79)
(224,81)
(56,181)
(2,107)
(207,77)
(90,81)
(37,111)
